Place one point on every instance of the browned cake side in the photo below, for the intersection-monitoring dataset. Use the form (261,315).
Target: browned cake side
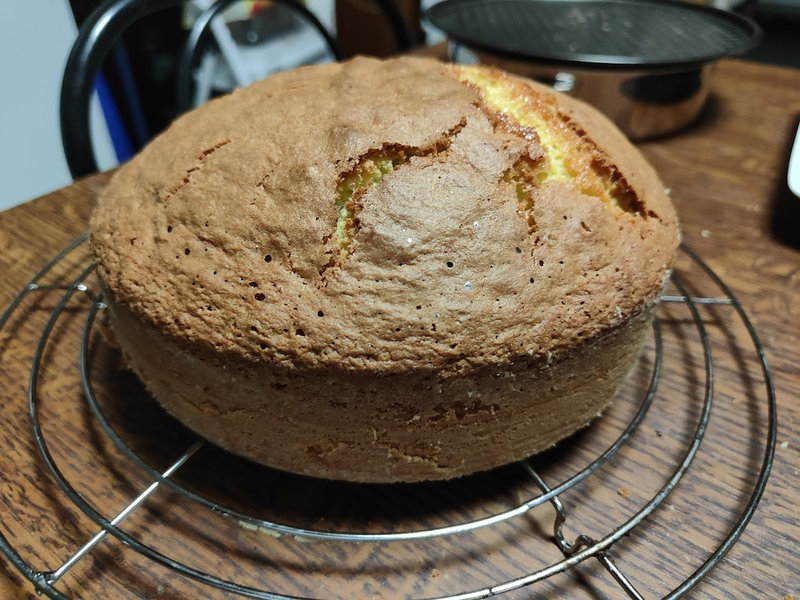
(385,271)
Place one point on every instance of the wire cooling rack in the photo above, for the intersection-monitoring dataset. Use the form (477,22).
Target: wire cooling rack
(193,521)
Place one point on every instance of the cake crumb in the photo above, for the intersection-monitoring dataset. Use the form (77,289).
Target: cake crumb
(624,492)
(435,573)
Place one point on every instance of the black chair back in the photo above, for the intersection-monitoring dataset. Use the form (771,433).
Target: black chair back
(101,31)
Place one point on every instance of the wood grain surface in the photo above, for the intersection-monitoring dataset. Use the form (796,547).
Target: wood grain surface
(727,178)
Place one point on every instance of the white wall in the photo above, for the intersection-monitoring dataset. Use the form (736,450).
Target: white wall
(35,39)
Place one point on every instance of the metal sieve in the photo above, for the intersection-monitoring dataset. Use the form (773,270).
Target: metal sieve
(644,63)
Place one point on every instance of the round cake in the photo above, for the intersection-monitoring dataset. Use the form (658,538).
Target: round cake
(384,271)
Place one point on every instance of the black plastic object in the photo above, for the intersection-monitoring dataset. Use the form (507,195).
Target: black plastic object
(95,39)
(599,33)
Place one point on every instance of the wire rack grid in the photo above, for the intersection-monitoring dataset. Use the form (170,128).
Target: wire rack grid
(476,519)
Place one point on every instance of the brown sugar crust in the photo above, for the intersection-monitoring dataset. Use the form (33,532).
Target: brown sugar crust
(366,271)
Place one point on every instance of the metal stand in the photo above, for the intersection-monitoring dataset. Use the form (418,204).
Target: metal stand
(575,552)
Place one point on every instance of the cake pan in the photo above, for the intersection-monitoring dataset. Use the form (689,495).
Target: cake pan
(646,64)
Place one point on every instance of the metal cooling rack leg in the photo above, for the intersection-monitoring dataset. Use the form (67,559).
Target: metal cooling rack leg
(581,541)
(54,576)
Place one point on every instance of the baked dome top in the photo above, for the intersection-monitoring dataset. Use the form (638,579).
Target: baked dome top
(386,215)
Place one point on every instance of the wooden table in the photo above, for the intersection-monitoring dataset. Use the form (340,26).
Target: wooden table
(727,177)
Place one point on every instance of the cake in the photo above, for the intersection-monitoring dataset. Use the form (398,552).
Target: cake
(385,270)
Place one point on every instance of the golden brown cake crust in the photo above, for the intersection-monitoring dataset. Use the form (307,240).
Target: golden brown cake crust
(221,236)
(184,231)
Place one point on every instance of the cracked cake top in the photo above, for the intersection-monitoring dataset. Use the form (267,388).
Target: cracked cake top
(385,215)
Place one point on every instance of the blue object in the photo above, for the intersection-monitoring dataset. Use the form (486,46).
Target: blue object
(116,128)
(130,101)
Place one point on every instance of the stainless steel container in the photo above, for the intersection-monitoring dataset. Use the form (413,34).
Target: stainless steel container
(646,64)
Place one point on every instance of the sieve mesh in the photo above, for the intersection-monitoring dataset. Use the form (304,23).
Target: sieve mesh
(599,32)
